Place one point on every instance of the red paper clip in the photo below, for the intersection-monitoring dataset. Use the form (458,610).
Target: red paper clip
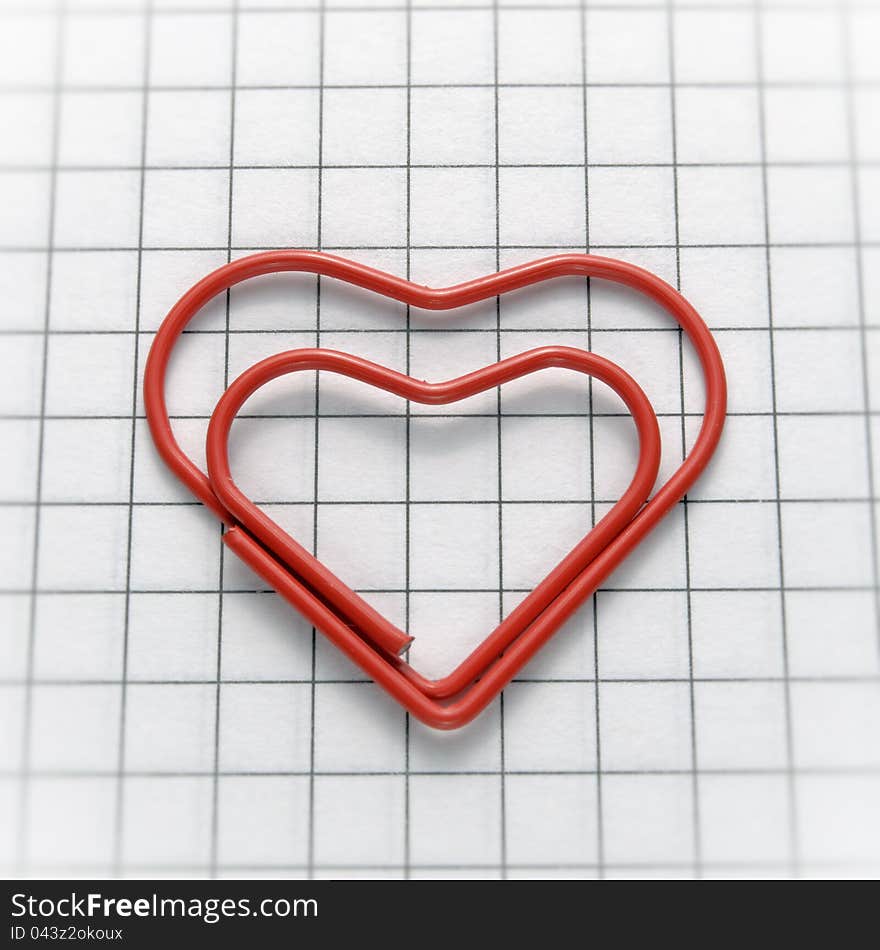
(345,618)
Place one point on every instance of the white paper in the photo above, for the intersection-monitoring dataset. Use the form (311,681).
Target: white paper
(733,727)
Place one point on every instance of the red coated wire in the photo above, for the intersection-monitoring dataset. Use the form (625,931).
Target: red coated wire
(344,617)
(344,601)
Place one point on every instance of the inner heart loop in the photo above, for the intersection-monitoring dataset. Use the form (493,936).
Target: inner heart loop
(345,618)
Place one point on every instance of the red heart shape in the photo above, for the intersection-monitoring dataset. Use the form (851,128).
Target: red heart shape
(348,621)
(345,601)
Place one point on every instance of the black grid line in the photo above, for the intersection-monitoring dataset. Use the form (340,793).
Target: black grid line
(736,414)
(860,286)
(332,248)
(591,438)
(61,775)
(12,169)
(317,454)
(695,785)
(546,681)
(663,588)
(390,331)
(632,6)
(794,842)
(502,811)
(407,737)
(42,89)
(559,247)
(670,867)
(184,9)
(355,502)
(221,554)
(27,724)
(119,818)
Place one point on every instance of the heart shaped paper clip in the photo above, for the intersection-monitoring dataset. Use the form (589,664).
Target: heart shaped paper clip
(371,641)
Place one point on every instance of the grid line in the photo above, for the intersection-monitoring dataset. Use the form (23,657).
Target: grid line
(741,414)
(389,331)
(761,588)
(402,166)
(171,681)
(318,285)
(119,803)
(695,785)
(794,845)
(221,554)
(632,6)
(560,245)
(597,735)
(502,812)
(27,718)
(845,9)
(208,775)
(407,739)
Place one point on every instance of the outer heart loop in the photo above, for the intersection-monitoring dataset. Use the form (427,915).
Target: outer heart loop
(346,619)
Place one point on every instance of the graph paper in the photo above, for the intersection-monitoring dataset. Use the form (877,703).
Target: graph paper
(714,710)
